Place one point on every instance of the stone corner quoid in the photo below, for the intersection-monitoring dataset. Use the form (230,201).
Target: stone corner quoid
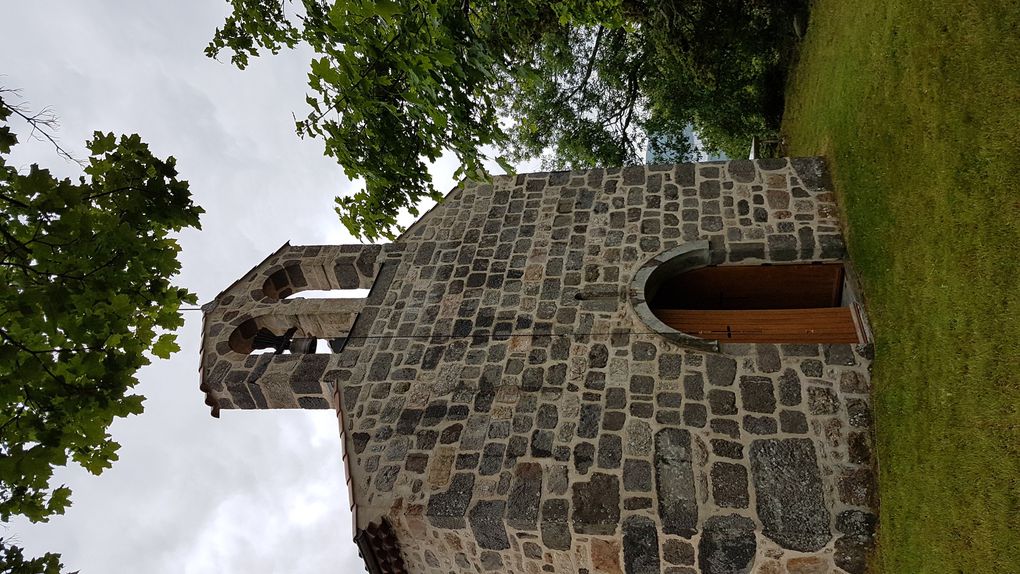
(509,405)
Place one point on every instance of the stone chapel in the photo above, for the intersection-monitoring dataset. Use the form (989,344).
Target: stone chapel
(658,368)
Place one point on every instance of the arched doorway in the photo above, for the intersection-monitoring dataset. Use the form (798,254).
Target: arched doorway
(758,304)
(682,296)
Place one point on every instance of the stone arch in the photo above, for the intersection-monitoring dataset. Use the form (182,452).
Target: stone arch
(354,267)
(651,275)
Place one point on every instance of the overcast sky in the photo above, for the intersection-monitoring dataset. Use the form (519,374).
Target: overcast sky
(254,491)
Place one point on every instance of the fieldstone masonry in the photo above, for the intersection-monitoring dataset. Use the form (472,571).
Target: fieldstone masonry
(505,408)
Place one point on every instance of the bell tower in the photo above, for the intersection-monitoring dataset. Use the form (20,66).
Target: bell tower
(266,347)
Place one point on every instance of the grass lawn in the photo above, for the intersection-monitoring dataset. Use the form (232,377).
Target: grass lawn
(917,106)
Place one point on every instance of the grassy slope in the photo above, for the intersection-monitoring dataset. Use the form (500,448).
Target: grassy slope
(917,105)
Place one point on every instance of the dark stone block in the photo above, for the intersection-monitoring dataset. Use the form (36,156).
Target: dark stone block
(832,246)
(858,448)
(695,415)
(685,174)
(525,495)
(760,425)
(386,478)
(589,424)
(669,400)
(516,447)
(634,175)
(610,451)
(842,355)
(556,375)
(531,379)
(597,505)
(670,366)
(856,522)
(641,410)
(741,171)
(768,358)
(416,463)
(727,545)
(547,417)
(310,369)
(641,351)
(425,439)
(727,427)
(380,367)
(709,190)
(811,368)
(616,398)
(807,242)
(453,502)
(670,418)
(790,501)
(640,545)
(782,247)
(613,420)
(729,485)
(678,552)
(642,384)
(555,532)
(812,171)
(694,387)
(857,487)
(303,402)
(742,251)
(584,456)
(756,394)
(637,503)
(408,421)
(722,402)
(492,459)
(721,370)
(541,443)
(727,449)
(674,482)
(486,519)
(851,553)
(793,422)
(491,561)
(789,388)
(637,475)
(712,223)
(467,461)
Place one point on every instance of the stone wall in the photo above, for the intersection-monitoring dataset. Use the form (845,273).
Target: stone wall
(508,410)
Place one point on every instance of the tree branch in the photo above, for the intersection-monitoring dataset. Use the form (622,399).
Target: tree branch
(591,65)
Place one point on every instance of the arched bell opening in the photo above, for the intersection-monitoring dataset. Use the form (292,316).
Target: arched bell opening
(291,334)
(681,296)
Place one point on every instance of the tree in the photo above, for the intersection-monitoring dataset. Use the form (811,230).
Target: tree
(577,82)
(85,298)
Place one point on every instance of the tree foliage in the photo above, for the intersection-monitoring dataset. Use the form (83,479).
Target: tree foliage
(13,561)
(85,297)
(396,83)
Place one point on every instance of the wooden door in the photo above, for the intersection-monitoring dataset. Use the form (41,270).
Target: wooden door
(759,304)
(820,325)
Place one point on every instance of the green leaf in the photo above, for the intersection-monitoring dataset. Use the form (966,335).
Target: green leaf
(505,164)
(165,346)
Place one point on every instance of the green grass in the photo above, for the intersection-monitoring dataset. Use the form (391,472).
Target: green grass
(917,106)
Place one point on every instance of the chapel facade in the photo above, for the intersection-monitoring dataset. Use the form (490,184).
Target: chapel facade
(658,368)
